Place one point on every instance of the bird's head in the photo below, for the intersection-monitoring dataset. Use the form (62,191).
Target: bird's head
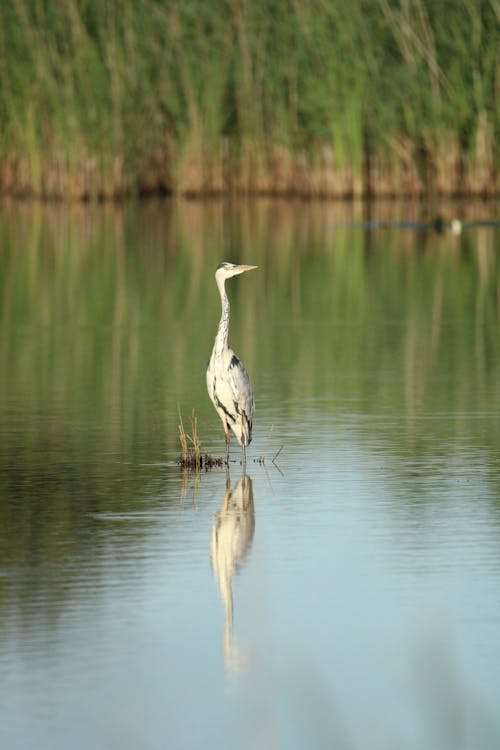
(225,270)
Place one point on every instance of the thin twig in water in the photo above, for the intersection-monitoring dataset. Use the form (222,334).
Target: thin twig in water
(274,461)
(266,444)
(195,440)
(276,455)
(269,478)
(182,438)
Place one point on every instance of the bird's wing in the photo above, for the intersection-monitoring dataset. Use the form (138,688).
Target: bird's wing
(241,388)
(231,393)
(230,389)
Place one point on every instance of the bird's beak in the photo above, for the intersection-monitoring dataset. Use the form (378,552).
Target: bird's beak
(241,269)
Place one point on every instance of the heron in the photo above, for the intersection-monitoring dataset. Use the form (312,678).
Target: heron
(228,383)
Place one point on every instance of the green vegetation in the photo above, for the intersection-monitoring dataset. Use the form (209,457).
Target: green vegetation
(326,98)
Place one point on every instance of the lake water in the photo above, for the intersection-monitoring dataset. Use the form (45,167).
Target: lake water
(346,595)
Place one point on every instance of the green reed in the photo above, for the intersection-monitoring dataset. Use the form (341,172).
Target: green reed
(103,99)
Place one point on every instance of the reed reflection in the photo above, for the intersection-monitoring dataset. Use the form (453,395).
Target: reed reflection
(231,539)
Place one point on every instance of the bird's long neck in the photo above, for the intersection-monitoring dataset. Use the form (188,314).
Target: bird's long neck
(223,330)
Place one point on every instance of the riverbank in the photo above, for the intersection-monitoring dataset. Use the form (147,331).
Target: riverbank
(101,102)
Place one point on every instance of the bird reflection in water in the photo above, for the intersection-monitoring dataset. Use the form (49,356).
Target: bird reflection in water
(230,541)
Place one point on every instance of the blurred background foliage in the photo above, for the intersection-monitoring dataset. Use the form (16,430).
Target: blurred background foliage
(276,96)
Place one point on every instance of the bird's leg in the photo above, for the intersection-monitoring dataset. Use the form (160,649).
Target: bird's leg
(227,446)
(244,457)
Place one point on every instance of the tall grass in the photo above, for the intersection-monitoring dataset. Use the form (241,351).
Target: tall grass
(279,96)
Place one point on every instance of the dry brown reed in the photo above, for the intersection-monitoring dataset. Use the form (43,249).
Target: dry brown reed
(406,169)
(198,99)
(192,456)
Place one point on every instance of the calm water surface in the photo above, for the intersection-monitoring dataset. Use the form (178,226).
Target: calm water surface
(348,596)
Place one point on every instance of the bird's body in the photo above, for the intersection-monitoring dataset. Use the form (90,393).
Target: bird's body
(228,383)
(231,393)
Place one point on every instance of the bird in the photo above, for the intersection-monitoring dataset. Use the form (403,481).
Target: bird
(228,383)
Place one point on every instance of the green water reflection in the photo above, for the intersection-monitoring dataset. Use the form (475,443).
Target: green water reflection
(108,316)
(375,346)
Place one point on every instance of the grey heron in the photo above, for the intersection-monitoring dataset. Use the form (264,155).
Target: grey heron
(227,380)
